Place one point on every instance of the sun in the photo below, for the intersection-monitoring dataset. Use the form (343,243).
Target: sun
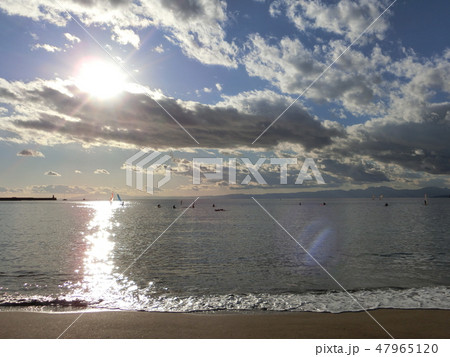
(100,79)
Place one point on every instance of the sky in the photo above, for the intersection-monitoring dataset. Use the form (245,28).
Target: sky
(361,87)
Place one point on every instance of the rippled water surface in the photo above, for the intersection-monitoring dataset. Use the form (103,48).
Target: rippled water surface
(94,254)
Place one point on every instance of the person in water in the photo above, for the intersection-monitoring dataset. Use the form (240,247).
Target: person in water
(159,206)
(174,206)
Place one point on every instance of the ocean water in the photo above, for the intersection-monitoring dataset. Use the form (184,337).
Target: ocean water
(58,256)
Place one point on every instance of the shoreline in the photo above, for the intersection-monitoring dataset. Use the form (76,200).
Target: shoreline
(411,323)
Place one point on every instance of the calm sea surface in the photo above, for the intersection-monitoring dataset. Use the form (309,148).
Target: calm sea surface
(70,255)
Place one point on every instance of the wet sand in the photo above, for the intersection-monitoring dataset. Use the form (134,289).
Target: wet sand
(120,324)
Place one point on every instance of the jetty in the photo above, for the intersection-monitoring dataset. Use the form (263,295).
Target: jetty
(53,198)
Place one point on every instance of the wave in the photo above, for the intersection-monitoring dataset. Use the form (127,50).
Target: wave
(329,301)
(41,301)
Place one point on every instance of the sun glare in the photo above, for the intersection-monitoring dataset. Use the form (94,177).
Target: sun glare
(100,79)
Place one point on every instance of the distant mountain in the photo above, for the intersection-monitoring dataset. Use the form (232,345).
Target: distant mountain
(387,192)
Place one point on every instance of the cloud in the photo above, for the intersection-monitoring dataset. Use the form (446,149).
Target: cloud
(101,172)
(159,48)
(30,153)
(420,146)
(347,18)
(125,36)
(355,81)
(78,172)
(368,85)
(197,27)
(207,90)
(219,87)
(358,172)
(58,189)
(12,190)
(72,38)
(60,113)
(412,134)
(46,47)
(52,173)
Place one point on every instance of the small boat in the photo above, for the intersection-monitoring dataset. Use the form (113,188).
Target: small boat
(219,210)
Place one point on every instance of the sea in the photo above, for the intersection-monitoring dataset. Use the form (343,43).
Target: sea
(268,255)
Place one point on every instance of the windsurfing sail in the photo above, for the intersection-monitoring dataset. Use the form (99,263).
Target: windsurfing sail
(425,200)
(112,197)
(119,199)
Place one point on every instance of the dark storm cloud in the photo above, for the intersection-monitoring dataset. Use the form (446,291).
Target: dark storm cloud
(417,146)
(30,153)
(113,3)
(6,94)
(139,120)
(184,8)
(51,173)
(421,145)
(357,172)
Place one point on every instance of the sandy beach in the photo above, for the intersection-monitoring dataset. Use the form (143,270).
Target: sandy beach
(115,324)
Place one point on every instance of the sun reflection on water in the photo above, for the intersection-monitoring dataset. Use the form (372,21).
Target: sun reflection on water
(102,282)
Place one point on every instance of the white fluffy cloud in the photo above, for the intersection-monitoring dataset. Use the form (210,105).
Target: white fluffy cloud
(346,18)
(46,47)
(196,26)
(362,84)
(101,172)
(72,38)
(159,49)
